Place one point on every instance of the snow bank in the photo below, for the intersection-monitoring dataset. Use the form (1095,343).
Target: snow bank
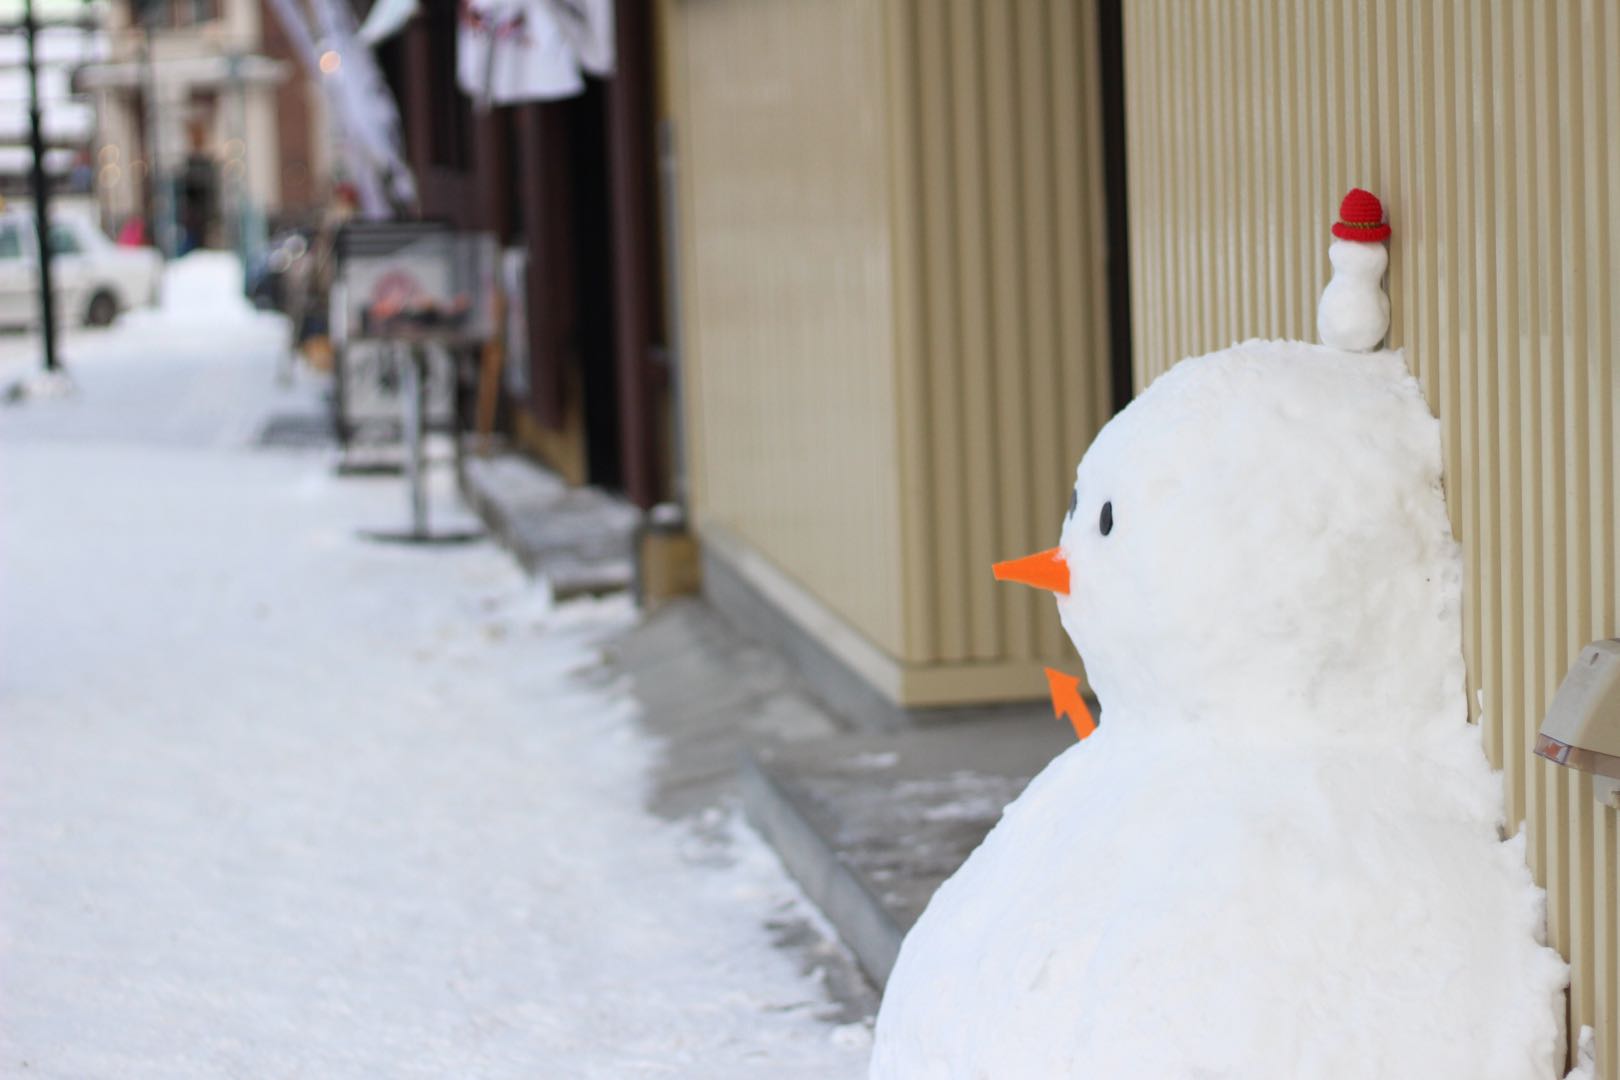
(201,299)
(204,285)
(1279,855)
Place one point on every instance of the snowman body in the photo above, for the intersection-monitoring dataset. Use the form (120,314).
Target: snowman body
(1279,855)
(1354,310)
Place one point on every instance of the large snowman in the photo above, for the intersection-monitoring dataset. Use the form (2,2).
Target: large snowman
(1279,855)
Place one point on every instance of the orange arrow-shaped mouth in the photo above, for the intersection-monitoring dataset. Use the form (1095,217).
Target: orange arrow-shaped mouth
(1066,701)
(1047,570)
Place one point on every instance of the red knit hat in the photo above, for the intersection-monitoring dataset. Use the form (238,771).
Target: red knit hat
(1361,217)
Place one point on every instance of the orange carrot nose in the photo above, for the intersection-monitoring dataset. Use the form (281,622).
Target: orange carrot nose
(1047,570)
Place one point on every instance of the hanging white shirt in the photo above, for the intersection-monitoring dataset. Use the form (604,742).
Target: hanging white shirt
(511,51)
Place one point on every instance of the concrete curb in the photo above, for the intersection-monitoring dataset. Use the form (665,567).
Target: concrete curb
(579,539)
(495,519)
(848,903)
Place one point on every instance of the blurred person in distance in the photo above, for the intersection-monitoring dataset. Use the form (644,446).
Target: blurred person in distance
(132,233)
(313,285)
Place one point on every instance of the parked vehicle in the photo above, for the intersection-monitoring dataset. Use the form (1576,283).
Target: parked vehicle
(93,278)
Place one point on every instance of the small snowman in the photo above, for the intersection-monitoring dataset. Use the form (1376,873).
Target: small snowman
(1354,312)
(1278,855)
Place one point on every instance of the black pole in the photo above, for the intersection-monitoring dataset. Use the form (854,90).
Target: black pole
(42,215)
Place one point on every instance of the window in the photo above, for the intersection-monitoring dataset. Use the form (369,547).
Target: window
(176,14)
(10,242)
(64,241)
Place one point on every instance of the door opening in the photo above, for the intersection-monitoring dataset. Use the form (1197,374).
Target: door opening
(1111,73)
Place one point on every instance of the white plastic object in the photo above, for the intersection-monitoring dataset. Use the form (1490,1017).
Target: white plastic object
(1582,728)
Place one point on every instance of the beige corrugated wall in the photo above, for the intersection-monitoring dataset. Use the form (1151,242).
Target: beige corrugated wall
(1490,131)
(1003,325)
(896,325)
(781,129)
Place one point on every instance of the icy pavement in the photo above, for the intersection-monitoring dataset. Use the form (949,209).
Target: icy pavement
(276,801)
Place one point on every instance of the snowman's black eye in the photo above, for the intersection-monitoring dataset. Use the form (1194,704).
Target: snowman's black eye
(1105,523)
(1074,500)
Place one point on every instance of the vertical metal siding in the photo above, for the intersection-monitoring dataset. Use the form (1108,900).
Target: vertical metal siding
(1488,129)
(1003,337)
(781,130)
(883,437)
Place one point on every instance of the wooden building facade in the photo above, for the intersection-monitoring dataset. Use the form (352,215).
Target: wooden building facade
(572,185)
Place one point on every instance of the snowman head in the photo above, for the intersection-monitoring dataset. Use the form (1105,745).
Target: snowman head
(1261,538)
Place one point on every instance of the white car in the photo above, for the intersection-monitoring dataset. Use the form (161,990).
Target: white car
(93,279)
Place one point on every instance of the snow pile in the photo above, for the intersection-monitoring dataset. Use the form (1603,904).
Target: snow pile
(202,299)
(1585,1056)
(204,285)
(1279,855)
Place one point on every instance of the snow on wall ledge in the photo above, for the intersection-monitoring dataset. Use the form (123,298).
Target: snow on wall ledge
(1279,856)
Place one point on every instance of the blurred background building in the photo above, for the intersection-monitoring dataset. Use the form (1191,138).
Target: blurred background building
(70,38)
(570,187)
(208,131)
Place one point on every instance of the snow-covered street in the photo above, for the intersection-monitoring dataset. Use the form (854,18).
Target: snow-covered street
(279,801)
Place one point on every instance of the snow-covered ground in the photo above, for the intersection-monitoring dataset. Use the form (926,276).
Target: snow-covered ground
(277,801)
